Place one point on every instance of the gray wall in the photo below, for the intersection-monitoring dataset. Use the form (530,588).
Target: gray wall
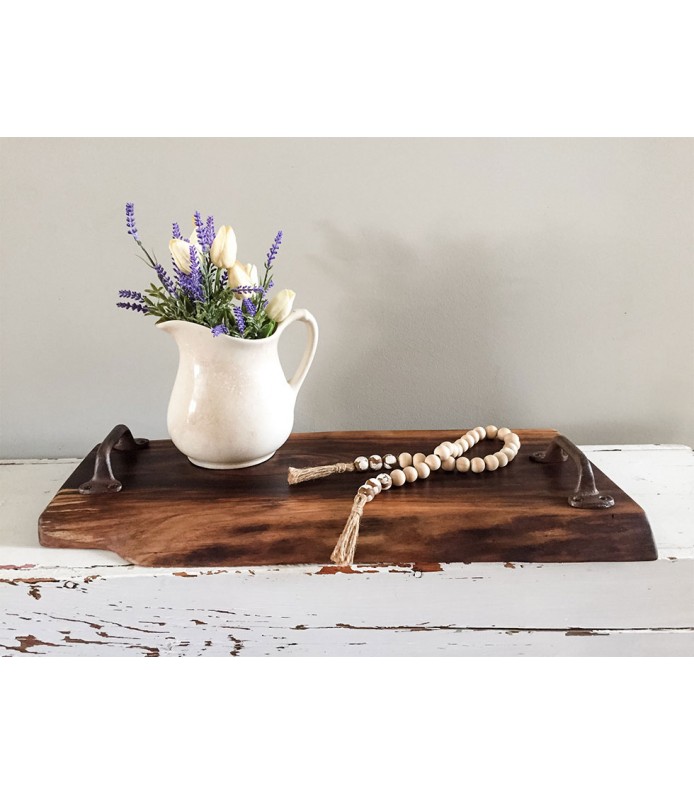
(530,282)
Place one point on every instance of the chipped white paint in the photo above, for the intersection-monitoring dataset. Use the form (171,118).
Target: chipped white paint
(85,602)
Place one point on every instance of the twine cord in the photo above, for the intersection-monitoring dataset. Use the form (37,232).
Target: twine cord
(343,553)
(295,476)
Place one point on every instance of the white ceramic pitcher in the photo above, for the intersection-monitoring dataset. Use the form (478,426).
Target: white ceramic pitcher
(231,404)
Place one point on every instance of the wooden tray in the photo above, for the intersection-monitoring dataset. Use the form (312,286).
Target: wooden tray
(171,513)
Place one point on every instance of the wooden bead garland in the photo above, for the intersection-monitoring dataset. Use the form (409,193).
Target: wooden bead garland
(361,463)
(448,456)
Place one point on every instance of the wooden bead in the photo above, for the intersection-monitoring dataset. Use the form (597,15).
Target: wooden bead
(385,480)
(477,465)
(389,461)
(448,445)
(471,441)
(474,434)
(462,464)
(464,445)
(404,459)
(375,462)
(368,492)
(510,453)
(513,439)
(457,450)
(502,432)
(374,483)
(491,462)
(433,462)
(398,477)
(418,457)
(491,431)
(512,447)
(410,473)
(503,460)
(361,463)
(448,464)
(442,452)
(481,432)
(422,470)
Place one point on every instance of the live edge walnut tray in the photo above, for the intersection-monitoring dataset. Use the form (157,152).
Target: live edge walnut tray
(171,513)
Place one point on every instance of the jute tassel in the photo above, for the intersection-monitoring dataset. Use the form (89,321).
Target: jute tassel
(343,553)
(295,476)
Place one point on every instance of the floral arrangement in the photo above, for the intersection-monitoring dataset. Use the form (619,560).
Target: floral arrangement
(209,285)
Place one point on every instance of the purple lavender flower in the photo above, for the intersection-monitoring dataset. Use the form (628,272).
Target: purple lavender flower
(249,307)
(176,231)
(128,293)
(135,307)
(186,283)
(224,280)
(218,330)
(130,220)
(200,230)
(274,248)
(187,286)
(191,283)
(209,230)
(165,278)
(248,290)
(240,322)
(195,263)
(177,273)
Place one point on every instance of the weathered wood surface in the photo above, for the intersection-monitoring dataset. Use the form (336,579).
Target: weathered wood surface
(478,609)
(171,513)
(85,602)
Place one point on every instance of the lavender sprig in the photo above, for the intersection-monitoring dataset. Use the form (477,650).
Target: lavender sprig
(274,248)
(128,293)
(181,277)
(191,283)
(240,322)
(200,230)
(249,290)
(196,273)
(130,220)
(220,329)
(176,231)
(165,278)
(135,307)
(209,230)
(187,286)
(249,307)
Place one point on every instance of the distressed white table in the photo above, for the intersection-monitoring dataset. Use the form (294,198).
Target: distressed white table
(91,603)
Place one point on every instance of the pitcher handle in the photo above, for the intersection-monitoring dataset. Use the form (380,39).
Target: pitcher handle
(304,316)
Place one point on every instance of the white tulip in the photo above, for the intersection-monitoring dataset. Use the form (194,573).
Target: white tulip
(223,250)
(180,251)
(281,305)
(241,275)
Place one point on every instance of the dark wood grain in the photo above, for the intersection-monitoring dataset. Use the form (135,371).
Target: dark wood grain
(171,513)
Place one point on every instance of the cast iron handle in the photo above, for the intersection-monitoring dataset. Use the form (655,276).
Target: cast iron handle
(103,481)
(586,494)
